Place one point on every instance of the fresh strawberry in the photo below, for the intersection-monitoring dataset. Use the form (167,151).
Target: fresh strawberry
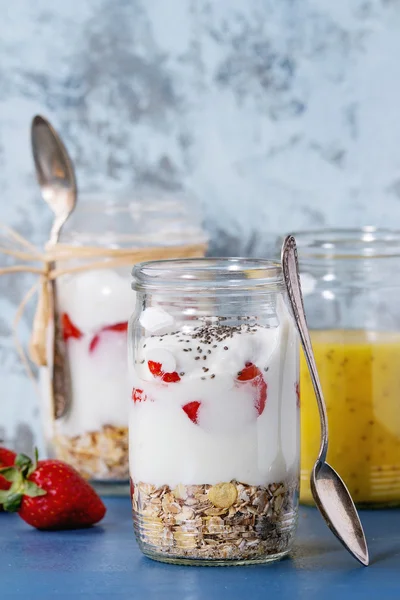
(252,374)
(155,368)
(69,329)
(192,409)
(121,327)
(7,459)
(171,377)
(249,372)
(50,494)
(298,394)
(94,342)
(117,327)
(138,395)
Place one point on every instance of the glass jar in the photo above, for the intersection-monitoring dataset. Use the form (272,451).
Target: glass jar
(351,292)
(94,306)
(214,440)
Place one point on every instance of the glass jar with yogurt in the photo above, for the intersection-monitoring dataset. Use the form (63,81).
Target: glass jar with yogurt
(94,305)
(214,419)
(351,287)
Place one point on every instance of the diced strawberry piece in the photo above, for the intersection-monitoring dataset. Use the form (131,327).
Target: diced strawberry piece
(117,327)
(261,399)
(298,394)
(192,409)
(155,368)
(94,343)
(249,372)
(252,374)
(171,377)
(69,329)
(138,395)
(132,486)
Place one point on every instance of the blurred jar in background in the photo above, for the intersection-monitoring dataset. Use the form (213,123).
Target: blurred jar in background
(351,284)
(94,306)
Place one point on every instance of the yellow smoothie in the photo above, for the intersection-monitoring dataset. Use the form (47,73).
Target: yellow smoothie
(360,376)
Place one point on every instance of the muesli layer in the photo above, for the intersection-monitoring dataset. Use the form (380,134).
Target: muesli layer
(97,455)
(230,520)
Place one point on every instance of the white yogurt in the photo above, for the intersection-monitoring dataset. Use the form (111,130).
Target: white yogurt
(234,436)
(95,301)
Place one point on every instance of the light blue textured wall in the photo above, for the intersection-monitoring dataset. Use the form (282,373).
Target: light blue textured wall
(279,114)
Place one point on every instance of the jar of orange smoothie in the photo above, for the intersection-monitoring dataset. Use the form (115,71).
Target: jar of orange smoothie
(351,286)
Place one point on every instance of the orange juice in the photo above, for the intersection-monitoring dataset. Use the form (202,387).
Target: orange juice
(360,377)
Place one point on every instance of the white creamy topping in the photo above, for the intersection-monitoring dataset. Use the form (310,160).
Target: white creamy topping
(94,301)
(154,319)
(234,436)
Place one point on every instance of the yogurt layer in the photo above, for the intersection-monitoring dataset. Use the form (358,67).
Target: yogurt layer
(98,305)
(215,403)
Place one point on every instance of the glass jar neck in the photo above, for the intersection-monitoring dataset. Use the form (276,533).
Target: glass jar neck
(133,220)
(355,257)
(209,277)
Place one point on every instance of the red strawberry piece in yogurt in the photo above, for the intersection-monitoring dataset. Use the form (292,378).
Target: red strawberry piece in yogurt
(138,395)
(116,327)
(171,377)
(69,329)
(155,368)
(192,410)
(162,365)
(252,374)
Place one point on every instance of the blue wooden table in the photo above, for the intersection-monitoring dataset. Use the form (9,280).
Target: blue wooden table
(104,562)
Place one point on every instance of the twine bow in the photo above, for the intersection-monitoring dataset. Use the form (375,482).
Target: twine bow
(53,264)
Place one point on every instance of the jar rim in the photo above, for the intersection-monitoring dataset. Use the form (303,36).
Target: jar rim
(208,274)
(134,204)
(367,242)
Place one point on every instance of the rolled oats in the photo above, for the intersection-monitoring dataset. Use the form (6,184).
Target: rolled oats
(97,455)
(223,495)
(230,520)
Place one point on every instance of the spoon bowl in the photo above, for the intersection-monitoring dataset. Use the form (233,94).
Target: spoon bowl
(335,504)
(331,495)
(54,172)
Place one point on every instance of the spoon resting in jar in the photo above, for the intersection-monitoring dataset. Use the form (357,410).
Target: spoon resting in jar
(329,491)
(56,177)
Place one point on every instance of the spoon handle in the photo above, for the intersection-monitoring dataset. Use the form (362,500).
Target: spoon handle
(61,377)
(292,281)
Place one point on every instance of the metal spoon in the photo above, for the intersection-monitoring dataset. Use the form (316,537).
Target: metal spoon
(329,491)
(56,177)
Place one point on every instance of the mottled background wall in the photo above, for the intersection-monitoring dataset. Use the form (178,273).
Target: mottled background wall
(279,114)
